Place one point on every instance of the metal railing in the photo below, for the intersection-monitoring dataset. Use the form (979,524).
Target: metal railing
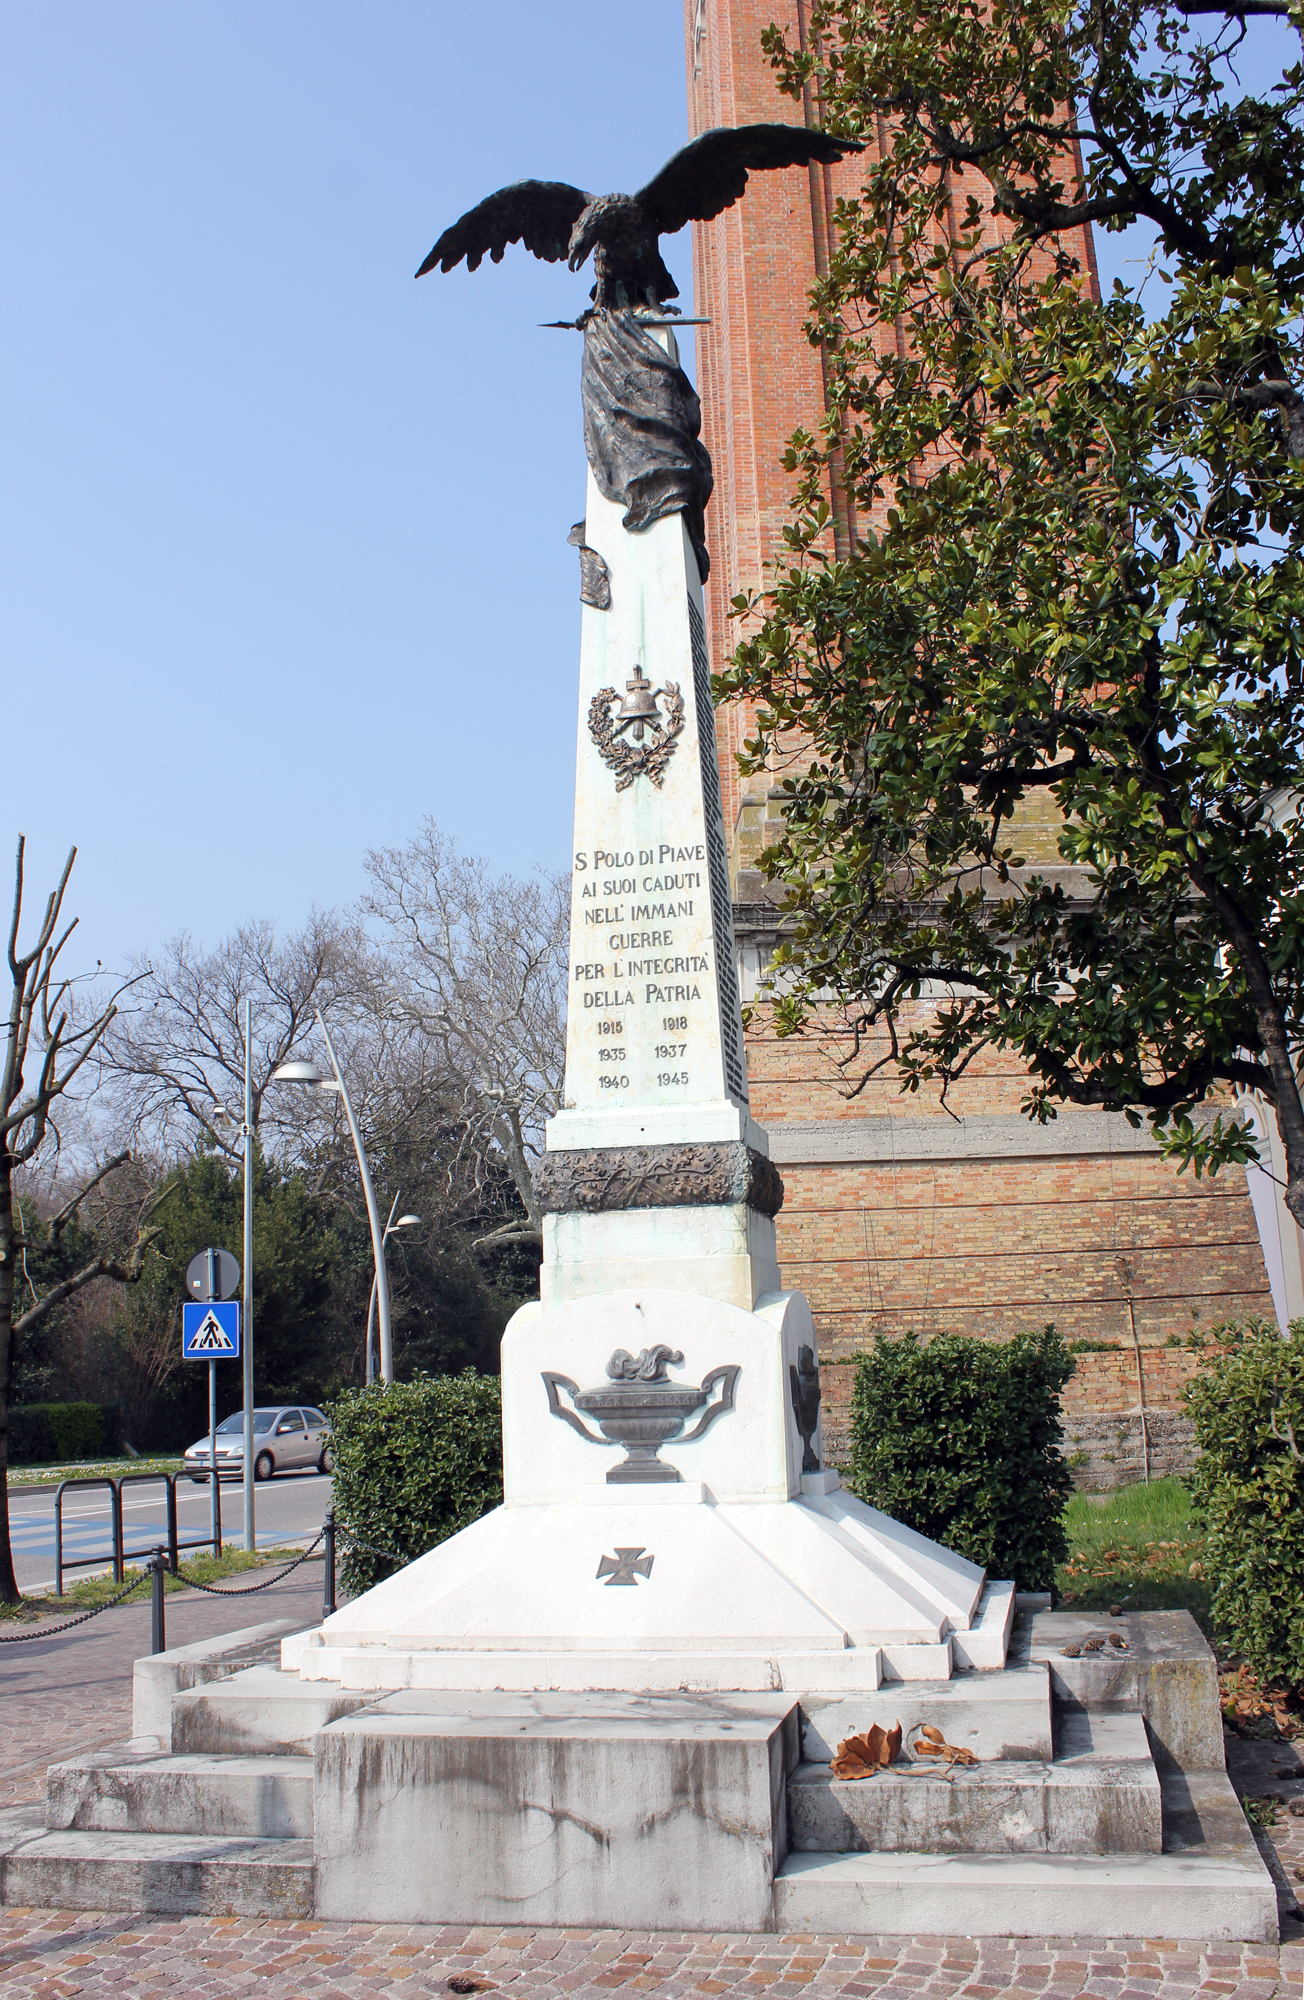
(120,1554)
(160,1561)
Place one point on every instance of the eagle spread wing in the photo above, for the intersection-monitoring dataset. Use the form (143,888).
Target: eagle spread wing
(710,174)
(540,214)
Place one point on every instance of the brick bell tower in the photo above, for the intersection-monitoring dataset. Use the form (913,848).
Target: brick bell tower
(898,1216)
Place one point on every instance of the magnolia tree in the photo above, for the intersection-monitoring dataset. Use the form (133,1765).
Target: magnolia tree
(1076,572)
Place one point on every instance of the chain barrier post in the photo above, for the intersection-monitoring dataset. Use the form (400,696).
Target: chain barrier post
(328,1565)
(171,1481)
(157,1631)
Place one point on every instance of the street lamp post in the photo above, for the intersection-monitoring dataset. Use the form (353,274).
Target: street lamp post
(391,1227)
(308,1072)
(247,1342)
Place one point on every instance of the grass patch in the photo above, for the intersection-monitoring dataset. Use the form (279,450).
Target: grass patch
(110,1468)
(1137,1548)
(89,1591)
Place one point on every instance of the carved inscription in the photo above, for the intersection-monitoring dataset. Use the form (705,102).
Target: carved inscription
(653,985)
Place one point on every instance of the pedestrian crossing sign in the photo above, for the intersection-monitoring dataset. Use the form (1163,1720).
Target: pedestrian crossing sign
(210,1332)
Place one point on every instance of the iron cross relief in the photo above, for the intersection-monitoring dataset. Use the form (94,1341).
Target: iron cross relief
(624,1567)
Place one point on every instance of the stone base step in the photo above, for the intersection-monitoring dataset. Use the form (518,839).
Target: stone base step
(258,1712)
(1002,1714)
(1099,1797)
(1210,1882)
(159,1874)
(158,1676)
(1022,1895)
(128,1791)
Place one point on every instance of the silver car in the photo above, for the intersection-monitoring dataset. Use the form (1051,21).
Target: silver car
(287,1438)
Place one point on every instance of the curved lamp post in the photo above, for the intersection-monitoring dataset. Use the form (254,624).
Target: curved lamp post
(308,1072)
(404,1222)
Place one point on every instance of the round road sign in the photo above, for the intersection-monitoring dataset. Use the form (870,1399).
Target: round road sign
(213,1274)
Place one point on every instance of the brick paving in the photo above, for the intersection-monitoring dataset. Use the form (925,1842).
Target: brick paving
(61,1697)
(55,1955)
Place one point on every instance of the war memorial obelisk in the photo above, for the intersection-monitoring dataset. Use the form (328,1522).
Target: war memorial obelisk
(617,1700)
(667,1522)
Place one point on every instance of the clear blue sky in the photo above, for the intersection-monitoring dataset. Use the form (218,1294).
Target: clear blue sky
(283,534)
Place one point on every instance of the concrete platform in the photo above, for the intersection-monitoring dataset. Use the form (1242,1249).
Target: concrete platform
(162,1874)
(1043,1895)
(260,1712)
(135,1791)
(675,1810)
(1099,1797)
(540,1810)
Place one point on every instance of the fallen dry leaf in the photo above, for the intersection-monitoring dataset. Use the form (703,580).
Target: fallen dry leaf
(930,1742)
(864,1756)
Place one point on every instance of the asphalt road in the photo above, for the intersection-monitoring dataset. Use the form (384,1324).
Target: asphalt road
(288,1510)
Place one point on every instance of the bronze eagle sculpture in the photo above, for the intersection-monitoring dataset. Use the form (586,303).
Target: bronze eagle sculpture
(556,221)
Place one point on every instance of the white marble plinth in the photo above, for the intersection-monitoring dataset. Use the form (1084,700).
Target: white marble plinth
(656,1815)
(741,1572)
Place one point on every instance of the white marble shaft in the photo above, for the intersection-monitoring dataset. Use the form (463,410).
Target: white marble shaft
(654,1048)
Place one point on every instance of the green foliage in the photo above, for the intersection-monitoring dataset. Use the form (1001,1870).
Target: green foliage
(1247,1492)
(63,1433)
(1066,565)
(414,1462)
(960,1439)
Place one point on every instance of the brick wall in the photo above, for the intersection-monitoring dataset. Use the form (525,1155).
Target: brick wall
(1003,1234)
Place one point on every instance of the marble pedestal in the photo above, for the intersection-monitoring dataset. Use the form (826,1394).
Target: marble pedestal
(730,1570)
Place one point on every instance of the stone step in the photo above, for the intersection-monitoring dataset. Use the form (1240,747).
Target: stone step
(1002,1714)
(1209,1883)
(1027,1895)
(158,1676)
(159,1874)
(1166,1671)
(1100,1796)
(127,1791)
(259,1712)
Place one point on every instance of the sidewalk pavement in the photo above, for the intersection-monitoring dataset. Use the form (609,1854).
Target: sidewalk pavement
(56,1956)
(60,1697)
(65,1696)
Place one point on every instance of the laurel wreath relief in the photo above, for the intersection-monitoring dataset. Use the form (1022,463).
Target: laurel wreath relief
(648,759)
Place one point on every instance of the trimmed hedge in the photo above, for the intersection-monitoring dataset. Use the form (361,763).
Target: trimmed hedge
(1247,1492)
(414,1462)
(64,1433)
(962,1440)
